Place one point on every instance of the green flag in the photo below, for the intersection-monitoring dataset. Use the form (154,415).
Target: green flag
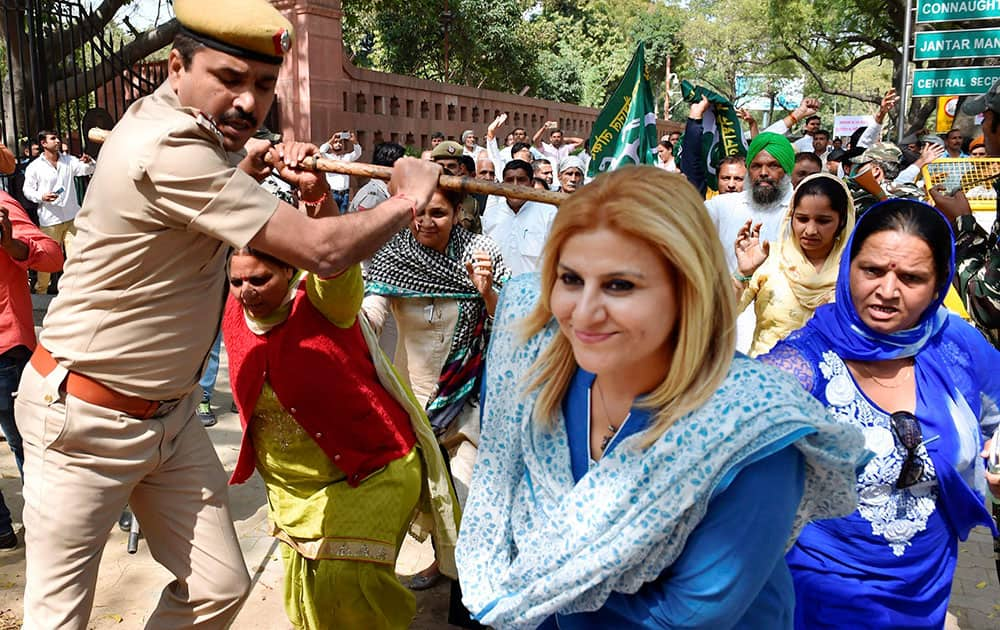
(722,134)
(625,131)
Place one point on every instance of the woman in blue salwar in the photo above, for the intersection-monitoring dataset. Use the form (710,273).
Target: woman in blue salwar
(923,386)
(632,472)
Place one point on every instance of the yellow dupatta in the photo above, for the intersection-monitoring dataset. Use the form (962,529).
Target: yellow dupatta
(813,288)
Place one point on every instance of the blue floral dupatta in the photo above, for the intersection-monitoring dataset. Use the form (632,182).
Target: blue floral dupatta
(533,542)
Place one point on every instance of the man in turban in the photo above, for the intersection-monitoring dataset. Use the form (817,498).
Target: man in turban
(765,198)
(770,160)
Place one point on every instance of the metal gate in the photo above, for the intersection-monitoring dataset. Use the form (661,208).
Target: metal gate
(57,61)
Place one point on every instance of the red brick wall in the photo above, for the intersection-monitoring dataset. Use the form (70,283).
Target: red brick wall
(320,91)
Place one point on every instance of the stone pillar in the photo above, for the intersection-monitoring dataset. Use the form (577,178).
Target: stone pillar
(313,77)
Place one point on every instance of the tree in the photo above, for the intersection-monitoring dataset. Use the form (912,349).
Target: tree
(572,52)
(731,53)
(830,39)
(74,52)
(597,38)
(484,43)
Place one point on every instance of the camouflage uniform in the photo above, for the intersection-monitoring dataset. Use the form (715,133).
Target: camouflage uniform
(977,276)
(887,156)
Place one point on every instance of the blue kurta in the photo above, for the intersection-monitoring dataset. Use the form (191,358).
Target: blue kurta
(727,575)
(890,564)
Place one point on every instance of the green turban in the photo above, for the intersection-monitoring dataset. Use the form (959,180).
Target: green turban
(777,147)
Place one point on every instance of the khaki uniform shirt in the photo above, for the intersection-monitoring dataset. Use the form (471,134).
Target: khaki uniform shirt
(141,297)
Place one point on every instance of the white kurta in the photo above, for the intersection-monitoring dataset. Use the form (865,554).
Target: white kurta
(521,235)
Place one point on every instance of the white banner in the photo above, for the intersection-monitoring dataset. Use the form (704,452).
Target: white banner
(846,125)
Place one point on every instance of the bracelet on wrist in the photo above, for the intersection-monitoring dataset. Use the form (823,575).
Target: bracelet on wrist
(410,200)
(739,277)
(795,119)
(318,202)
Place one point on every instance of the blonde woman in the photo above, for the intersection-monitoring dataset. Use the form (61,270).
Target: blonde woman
(622,440)
(788,286)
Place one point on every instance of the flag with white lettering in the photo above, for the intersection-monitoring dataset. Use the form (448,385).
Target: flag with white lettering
(721,135)
(625,131)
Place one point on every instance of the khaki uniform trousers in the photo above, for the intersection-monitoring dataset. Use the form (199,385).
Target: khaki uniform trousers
(63,234)
(83,463)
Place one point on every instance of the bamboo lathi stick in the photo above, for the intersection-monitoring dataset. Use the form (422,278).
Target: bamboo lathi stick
(448,182)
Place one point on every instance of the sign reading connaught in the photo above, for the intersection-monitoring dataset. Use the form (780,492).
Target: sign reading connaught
(956,10)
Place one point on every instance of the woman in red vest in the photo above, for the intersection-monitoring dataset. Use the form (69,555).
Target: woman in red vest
(345,450)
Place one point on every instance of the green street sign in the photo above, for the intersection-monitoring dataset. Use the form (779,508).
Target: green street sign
(980,42)
(954,81)
(955,10)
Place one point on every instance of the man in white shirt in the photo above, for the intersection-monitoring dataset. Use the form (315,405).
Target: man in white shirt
(49,182)
(519,227)
(500,158)
(342,146)
(821,145)
(469,145)
(805,143)
(770,160)
(559,147)
(571,174)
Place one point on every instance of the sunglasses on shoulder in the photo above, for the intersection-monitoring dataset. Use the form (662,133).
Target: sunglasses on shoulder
(907,429)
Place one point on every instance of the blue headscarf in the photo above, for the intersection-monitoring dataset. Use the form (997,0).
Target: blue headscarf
(948,402)
(851,337)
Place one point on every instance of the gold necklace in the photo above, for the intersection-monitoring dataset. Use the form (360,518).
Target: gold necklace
(875,379)
(612,429)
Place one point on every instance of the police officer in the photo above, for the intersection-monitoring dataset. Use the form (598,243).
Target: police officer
(107,405)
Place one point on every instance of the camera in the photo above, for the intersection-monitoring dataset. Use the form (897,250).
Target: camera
(345,135)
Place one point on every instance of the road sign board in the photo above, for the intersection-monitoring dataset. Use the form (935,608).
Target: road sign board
(954,81)
(954,10)
(979,42)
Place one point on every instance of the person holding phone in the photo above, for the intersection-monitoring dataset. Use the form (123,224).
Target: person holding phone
(342,146)
(558,147)
(50,182)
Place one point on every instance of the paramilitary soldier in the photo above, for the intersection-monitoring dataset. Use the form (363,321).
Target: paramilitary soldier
(107,407)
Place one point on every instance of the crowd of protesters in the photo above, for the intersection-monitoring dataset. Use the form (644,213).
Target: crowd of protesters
(579,404)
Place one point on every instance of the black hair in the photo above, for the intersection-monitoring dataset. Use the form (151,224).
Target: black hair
(518,164)
(45,133)
(454,198)
(666,144)
(909,217)
(825,187)
(808,156)
(386,153)
(822,132)
(732,159)
(186,46)
(259,255)
(811,118)
(437,134)
(837,155)
(519,146)
(468,163)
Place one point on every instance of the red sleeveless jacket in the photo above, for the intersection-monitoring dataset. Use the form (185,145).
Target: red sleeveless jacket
(324,376)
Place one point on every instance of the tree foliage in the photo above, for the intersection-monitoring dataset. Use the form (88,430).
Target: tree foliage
(471,42)
(567,51)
